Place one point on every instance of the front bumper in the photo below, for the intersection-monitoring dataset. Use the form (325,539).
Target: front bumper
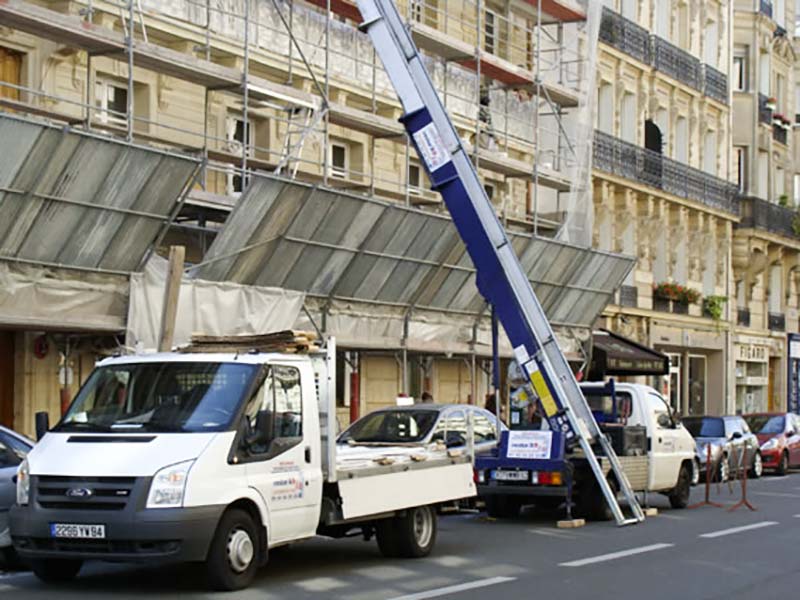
(771,459)
(179,534)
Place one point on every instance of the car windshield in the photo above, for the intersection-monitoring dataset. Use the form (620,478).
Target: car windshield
(392,427)
(160,396)
(766,423)
(705,426)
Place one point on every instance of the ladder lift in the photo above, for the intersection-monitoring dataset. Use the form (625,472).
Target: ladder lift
(499,274)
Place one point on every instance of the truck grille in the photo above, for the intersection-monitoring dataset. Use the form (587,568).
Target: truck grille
(84,493)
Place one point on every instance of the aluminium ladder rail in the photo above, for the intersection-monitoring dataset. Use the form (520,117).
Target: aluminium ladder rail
(498,272)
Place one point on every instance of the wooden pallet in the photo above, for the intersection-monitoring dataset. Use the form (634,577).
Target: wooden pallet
(288,341)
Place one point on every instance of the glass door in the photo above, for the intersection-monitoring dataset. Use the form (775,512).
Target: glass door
(697,384)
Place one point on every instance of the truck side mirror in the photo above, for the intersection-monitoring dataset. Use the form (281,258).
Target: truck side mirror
(737,435)
(42,420)
(261,433)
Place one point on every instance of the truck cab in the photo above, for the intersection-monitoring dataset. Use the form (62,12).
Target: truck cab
(215,458)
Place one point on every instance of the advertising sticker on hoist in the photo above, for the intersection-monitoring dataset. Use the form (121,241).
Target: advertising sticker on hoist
(529,444)
(431,147)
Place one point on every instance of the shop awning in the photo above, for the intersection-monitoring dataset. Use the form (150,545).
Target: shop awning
(70,198)
(613,354)
(345,247)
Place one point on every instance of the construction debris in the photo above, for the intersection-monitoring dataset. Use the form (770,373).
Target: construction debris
(288,341)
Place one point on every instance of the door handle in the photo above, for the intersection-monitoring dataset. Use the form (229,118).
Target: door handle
(308,454)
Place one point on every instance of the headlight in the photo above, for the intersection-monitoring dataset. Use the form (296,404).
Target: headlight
(770,444)
(23,483)
(168,486)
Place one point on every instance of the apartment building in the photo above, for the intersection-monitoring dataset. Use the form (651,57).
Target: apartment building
(248,88)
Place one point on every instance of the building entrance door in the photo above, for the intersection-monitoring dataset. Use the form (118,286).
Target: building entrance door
(674,392)
(697,385)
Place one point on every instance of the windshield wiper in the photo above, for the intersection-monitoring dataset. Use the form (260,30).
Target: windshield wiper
(162,427)
(81,426)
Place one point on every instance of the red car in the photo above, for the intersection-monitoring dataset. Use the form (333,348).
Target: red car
(779,436)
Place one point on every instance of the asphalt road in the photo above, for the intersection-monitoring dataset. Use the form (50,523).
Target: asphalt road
(693,554)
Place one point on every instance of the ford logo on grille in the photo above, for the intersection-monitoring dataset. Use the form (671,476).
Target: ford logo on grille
(79,493)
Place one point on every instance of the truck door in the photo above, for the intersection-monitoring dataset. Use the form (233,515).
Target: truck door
(283,464)
(665,460)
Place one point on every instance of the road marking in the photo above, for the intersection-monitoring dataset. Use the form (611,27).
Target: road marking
(716,534)
(452,589)
(615,555)
(796,516)
(556,534)
(776,494)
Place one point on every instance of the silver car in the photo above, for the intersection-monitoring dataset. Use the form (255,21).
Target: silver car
(13,449)
(424,424)
(729,440)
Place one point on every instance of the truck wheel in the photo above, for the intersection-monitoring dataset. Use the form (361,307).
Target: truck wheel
(591,502)
(783,465)
(679,496)
(757,468)
(233,556)
(502,507)
(55,570)
(411,535)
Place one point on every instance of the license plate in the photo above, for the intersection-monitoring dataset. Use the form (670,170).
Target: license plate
(79,531)
(510,475)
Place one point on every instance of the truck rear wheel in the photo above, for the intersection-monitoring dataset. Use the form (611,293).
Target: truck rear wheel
(679,496)
(592,503)
(233,556)
(503,507)
(55,570)
(411,535)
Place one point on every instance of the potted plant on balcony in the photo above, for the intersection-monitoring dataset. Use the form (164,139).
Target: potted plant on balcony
(713,307)
(783,200)
(787,124)
(686,296)
(777,119)
(771,103)
(664,293)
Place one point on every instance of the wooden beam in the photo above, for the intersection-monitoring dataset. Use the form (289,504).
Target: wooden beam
(172,289)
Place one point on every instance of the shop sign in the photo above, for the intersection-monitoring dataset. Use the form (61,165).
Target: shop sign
(752,353)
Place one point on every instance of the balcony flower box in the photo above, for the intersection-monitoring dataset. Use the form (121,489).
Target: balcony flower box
(771,103)
(777,119)
(661,305)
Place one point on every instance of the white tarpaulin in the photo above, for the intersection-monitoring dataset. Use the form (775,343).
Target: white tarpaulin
(44,298)
(207,307)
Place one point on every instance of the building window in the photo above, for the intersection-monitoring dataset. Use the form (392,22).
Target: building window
(489,189)
(629,9)
(740,157)
(764,83)
(710,44)
(629,118)
(780,185)
(235,136)
(796,184)
(338,159)
(490,32)
(682,140)
(605,108)
(416,8)
(111,98)
(414,179)
(740,70)
(763,174)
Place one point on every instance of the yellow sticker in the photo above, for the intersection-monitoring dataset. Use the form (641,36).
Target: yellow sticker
(545,397)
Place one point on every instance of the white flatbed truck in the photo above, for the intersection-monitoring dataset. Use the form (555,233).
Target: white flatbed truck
(216,458)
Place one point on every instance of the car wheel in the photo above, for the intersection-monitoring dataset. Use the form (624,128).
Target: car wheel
(54,570)
(411,535)
(233,556)
(757,468)
(695,472)
(783,465)
(679,496)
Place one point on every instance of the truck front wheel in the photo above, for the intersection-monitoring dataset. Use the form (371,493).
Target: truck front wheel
(679,496)
(233,556)
(55,570)
(411,535)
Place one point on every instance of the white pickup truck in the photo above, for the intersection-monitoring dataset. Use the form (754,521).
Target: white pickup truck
(216,458)
(656,453)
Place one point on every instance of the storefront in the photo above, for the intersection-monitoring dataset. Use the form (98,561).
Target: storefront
(758,371)
(793,384)
(616,356)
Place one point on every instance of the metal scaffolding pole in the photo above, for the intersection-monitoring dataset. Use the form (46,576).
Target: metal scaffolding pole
(246,93)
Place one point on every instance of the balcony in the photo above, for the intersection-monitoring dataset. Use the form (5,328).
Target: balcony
(764,113)
(765,8)
(780,135)
(743,317)
(625,35)
(715,84)
(676,63)
(777,321)
(760,214)
(627,160)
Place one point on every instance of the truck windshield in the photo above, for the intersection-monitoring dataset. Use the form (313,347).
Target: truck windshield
(766,423)
(392,427)
(160,396)
(705,427)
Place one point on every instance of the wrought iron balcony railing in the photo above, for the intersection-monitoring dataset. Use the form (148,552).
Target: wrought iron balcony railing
(777,321)
(675,62)
(765,8)
(627,160)
(635,41)
(780,135)
(764,113)
(743,317)
(625,35)
(760,214)
(715,84)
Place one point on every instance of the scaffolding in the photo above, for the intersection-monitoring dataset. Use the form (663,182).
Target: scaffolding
(302,94)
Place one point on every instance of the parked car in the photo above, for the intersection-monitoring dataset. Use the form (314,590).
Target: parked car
(779,436)
(730,439)
(13,450)
(422,424)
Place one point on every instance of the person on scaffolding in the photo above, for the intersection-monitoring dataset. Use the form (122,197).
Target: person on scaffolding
(487,138)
